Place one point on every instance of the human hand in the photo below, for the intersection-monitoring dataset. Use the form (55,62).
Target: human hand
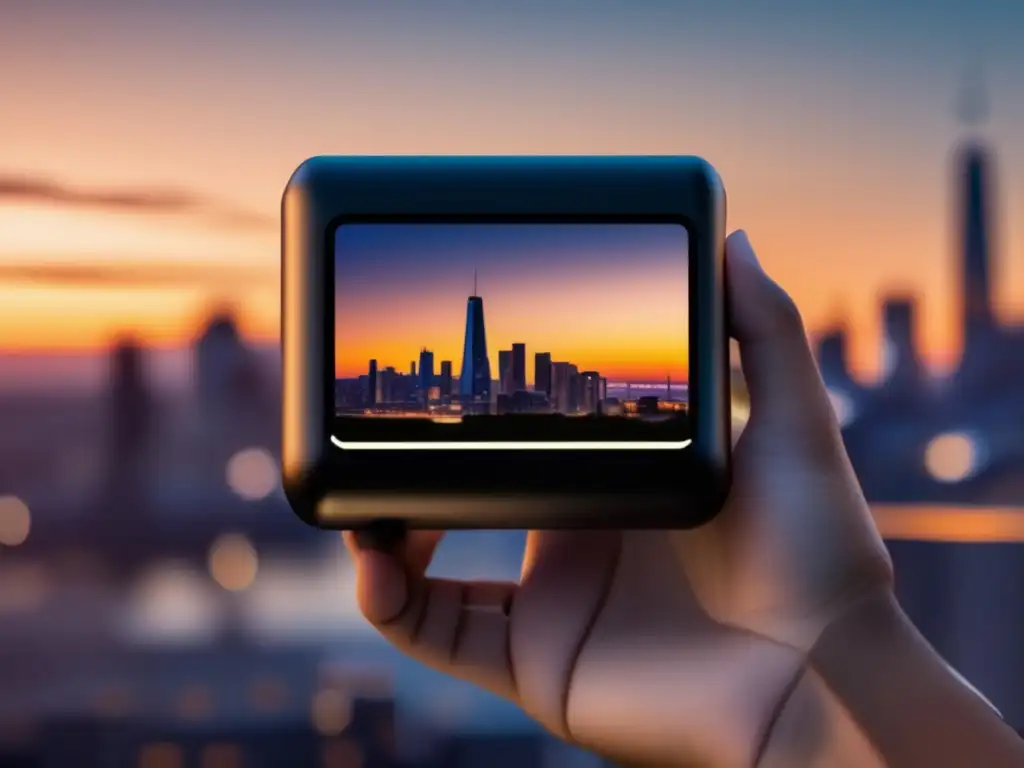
(666,648)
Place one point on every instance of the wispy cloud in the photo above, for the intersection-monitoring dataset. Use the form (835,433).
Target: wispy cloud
(27,189)
(135,275)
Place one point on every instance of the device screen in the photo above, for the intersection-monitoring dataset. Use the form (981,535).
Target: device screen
(511,336)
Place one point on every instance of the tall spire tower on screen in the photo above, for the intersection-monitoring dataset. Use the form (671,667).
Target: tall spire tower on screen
(475,379)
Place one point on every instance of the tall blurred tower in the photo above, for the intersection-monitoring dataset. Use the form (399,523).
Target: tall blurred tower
(903,369)
(122,509)
(833,360)
(219,355)
(475,379)
(131,420)
(974,168)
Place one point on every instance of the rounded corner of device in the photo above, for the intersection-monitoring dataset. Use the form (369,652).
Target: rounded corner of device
(306,508)
(305,180)
(304,494)
(702,169)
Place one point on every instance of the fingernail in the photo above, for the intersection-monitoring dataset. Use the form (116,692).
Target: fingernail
(383,536)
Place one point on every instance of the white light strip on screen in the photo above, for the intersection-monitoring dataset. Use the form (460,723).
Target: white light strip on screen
(514,446)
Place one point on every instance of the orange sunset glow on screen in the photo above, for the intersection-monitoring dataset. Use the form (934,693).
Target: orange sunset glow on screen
(609,298)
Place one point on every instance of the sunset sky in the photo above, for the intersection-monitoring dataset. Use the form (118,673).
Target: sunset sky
(144,147)
(608,298)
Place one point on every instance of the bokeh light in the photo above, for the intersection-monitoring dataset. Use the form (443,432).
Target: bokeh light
(221,756)
(951,457)
(252,473)
(15,521)
(195,702)
(164,755)
(172,605)
(342,753)
(331,711)
(233,562)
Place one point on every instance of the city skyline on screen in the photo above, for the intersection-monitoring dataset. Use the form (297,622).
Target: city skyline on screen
(611,298)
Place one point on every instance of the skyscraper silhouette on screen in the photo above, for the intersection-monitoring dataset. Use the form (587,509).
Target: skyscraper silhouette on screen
(475,379)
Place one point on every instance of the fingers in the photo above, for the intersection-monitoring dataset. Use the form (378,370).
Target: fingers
(778,365)
(459,628)
(567,576)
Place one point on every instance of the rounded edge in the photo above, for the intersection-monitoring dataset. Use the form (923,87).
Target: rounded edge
(303,438)
(709,314)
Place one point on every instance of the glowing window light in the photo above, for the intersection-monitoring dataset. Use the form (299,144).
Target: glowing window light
(195,703)
(233,562)
(221,756)
(252,474)
(342,753)
(114,701)
(268,695)
(164,755)
(331,712)
(951,457)
(15,521)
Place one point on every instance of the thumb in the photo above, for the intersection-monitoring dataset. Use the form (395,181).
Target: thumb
(778,365)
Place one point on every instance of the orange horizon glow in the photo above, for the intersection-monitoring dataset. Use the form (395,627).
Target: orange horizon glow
(845,181)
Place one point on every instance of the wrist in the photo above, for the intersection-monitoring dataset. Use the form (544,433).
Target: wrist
(813,729)
(876,694)
(707,703)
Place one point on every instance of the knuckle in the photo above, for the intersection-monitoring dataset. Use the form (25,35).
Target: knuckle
(786,314)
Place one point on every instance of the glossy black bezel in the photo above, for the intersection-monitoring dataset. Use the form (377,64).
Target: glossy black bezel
(333,488)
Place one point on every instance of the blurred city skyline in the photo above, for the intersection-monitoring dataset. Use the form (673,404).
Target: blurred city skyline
(137,188)
(155,587)
(608,297)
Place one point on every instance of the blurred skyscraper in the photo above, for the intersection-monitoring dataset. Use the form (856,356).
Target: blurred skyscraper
(132,421)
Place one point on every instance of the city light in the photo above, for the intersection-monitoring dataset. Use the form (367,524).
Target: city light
(949,524)
(15,521)
(268,695)
(115,700)
(161,756)
(195,703)
(331,712)
(342,753)
(951,457)
(252,474)
(221,756)
(233,562)
(172,605)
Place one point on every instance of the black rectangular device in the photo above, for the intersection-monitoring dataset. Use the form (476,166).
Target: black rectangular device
(505,342)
